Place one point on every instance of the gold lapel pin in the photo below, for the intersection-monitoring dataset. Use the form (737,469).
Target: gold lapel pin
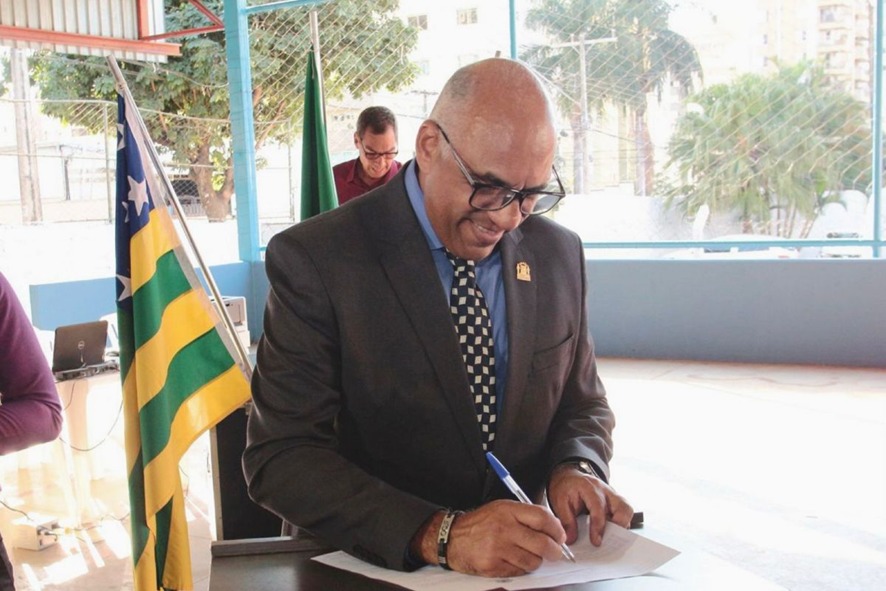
(523,273)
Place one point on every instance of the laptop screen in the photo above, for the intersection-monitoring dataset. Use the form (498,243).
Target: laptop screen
(79,345)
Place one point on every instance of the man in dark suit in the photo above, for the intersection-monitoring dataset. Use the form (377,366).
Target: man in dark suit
(364,429)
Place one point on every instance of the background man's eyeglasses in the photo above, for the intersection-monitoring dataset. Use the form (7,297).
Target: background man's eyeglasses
(373,155)
(489,197)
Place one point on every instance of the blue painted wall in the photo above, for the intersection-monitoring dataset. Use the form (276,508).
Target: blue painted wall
(70,302)
(814,311)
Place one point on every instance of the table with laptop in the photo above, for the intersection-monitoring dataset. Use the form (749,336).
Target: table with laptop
(81,351)
(88,382)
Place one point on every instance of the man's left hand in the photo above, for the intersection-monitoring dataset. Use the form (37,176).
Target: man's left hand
(572,493)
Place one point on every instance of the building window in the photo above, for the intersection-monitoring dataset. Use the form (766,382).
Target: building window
(828,14)
(419,21)
(466,16)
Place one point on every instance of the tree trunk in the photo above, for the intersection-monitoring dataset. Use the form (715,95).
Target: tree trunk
(645,156)
(26,145)
(216,203)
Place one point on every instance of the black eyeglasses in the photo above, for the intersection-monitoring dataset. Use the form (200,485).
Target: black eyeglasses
(372,155)
(489,197)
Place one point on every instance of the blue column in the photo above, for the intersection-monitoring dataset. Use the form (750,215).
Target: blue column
(512,9)
(877,109)
(242,128)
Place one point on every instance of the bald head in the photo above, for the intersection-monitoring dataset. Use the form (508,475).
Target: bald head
(492,126)
(499,97)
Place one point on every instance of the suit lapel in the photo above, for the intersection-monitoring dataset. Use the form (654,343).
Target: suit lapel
(406,260)
(521,297)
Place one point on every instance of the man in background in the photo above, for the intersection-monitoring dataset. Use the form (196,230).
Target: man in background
(376,140)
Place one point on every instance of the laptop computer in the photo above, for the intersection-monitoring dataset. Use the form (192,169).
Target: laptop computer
(79,350)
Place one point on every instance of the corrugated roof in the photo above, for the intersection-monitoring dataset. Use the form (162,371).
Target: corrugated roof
(86,27)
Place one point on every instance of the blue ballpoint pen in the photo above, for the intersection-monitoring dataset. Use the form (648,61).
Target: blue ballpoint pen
(512,485)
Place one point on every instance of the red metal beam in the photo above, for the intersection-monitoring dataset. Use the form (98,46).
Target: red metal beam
(218,25)
(198,4)
(91,41)
(185,32)
(142,19)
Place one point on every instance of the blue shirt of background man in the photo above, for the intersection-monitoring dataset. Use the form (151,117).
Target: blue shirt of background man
(489,279)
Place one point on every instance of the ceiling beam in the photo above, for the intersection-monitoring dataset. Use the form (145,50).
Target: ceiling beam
(91,41)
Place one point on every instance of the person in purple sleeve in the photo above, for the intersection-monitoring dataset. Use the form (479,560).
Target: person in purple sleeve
(30,411)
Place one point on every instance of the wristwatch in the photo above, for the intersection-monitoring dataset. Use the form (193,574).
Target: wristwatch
(585,467)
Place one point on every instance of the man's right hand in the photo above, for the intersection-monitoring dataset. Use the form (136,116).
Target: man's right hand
(502,539)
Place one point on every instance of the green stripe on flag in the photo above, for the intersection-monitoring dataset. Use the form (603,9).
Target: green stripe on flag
(138,518)
(164,521)
(124,327)
(201,361)
(168,283)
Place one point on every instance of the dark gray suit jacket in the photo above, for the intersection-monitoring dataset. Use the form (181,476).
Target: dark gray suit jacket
(363,423)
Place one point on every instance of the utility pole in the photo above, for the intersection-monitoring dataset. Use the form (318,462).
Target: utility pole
(26,145)
(585,176)
(582,155)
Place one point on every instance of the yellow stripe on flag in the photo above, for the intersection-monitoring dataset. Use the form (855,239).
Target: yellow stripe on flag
(132,428)
(177,572)
(149,244)
(184,320)
(209,405)
(144,573)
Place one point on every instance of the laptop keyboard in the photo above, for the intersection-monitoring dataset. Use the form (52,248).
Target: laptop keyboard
(87,370)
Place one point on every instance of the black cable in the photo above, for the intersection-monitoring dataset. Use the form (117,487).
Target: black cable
(71,397)
(103,439)
(28,517)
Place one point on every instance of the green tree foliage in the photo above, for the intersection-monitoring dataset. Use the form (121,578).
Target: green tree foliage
(645,57)
(185,102)
(5,74)
(775,149)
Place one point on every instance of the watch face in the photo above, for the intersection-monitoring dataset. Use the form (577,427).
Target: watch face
(586,467)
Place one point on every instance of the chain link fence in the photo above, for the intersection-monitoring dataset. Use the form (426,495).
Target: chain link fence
(678,121)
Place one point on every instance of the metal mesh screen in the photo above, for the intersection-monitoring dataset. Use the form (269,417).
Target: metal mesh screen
(678,121)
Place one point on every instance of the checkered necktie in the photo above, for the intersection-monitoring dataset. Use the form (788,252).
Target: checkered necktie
(474,329)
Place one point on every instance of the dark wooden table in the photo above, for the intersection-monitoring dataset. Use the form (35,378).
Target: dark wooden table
(284,564)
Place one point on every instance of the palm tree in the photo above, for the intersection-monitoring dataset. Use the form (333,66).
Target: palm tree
(645,56)
(775,149)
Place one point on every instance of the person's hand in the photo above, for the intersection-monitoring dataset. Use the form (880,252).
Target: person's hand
(504,539)
(571,493)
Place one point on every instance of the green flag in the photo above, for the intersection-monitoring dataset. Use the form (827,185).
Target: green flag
(317,186)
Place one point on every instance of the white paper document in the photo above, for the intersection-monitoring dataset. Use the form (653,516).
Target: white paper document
(622,554)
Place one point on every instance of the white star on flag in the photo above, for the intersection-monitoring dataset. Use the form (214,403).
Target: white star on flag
(138,194)
(120,130)
(126,282)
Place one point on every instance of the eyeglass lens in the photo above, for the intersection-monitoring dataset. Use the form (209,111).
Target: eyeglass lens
(492,198)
